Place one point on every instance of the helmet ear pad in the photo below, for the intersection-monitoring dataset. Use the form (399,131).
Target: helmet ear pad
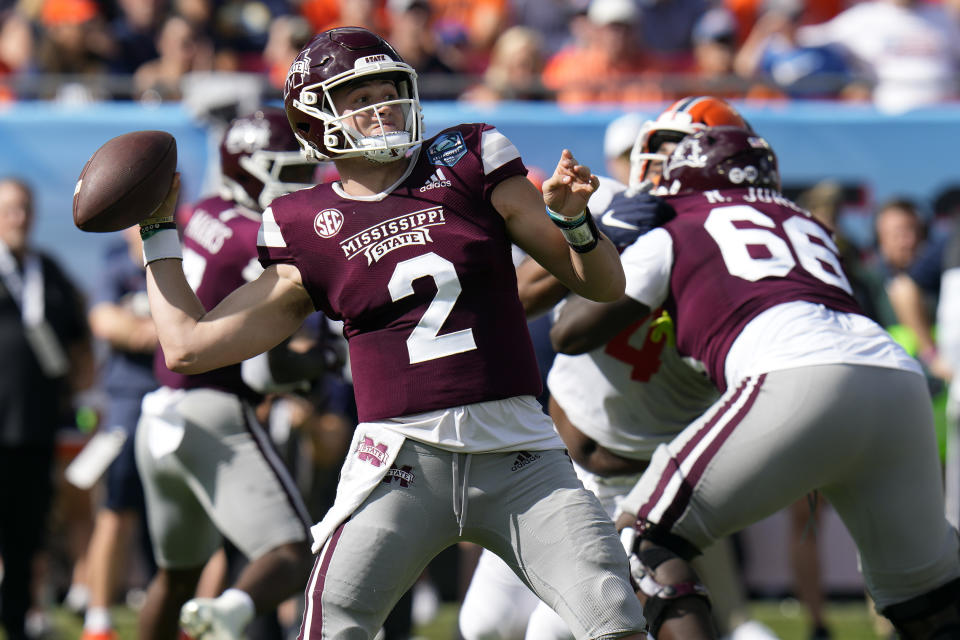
(336,59)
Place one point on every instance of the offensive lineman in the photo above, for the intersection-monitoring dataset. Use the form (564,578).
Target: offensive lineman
(411,249)
(615,404)
(816,396)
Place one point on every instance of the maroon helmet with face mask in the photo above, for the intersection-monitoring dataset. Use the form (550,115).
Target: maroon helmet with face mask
(260,159)
(332,60)
(719,158)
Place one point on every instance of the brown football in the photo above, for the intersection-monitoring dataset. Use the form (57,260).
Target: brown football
(124,181)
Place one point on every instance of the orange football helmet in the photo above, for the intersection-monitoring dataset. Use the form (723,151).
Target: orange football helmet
(683,117)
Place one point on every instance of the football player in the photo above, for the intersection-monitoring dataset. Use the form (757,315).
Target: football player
(208,467)
(815,396)
(616,403)
(411,248)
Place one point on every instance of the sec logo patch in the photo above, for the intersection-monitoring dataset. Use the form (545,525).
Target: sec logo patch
(327,223)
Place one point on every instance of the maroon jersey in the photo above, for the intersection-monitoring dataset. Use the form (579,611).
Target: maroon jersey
(219,254)
(422,278)
(738,253)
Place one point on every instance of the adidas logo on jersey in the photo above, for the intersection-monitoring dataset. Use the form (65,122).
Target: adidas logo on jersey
(435,181)
(523,459)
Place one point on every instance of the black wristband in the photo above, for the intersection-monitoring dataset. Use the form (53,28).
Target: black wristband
(590,245)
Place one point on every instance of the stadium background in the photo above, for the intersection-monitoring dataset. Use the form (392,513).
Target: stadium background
(872,154)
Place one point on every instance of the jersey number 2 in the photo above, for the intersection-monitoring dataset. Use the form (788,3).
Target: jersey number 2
(424,343)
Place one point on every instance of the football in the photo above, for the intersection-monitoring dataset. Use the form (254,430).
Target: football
(124,181)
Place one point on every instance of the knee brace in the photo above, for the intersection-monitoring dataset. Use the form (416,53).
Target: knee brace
(660,577)
(935,615)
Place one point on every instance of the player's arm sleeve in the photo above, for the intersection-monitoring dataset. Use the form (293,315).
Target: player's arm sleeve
(580,325)
(500,159)
(272,247)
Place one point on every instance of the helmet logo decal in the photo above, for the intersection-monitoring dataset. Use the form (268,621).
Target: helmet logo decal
(447,149)
(328,222)
(687,154)
(299,70)
(247,136)
(382,238)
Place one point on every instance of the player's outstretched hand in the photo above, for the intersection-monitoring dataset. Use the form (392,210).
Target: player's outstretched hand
(567,191)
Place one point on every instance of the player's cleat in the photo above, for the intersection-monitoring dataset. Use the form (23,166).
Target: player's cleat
(213,619)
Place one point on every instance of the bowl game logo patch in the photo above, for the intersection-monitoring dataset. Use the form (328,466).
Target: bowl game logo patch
(447,149)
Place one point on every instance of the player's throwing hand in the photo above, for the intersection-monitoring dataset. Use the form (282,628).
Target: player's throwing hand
(566,192)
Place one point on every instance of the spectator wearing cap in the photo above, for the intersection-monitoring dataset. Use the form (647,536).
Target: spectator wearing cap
(618,139)
(773,56)
(610,65)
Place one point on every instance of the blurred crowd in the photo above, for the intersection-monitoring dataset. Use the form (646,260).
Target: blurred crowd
(896,53)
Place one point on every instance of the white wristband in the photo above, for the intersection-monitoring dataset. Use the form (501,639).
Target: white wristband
(162,244)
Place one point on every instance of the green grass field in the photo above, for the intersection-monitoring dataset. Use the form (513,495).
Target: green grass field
(848,620)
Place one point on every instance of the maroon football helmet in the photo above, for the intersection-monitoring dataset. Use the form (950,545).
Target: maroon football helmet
(719,158)
(260,159)
(331,60)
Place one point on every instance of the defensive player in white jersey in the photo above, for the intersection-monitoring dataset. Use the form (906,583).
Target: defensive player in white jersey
(816,396)
(614,405)
(411,248)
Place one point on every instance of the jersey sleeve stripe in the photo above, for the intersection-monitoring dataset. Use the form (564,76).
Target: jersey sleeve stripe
(496,150)
(269,234)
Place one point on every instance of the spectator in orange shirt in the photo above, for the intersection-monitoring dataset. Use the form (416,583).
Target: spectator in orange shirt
(611,65)
(481,21)
(327,14)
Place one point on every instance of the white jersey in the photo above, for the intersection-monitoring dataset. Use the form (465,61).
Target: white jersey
(912,52)
(635,392)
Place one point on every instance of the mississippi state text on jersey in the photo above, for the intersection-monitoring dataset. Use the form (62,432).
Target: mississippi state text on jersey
(219,255)
(421,276)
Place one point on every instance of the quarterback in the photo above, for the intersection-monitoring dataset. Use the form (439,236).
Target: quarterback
(452,444)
